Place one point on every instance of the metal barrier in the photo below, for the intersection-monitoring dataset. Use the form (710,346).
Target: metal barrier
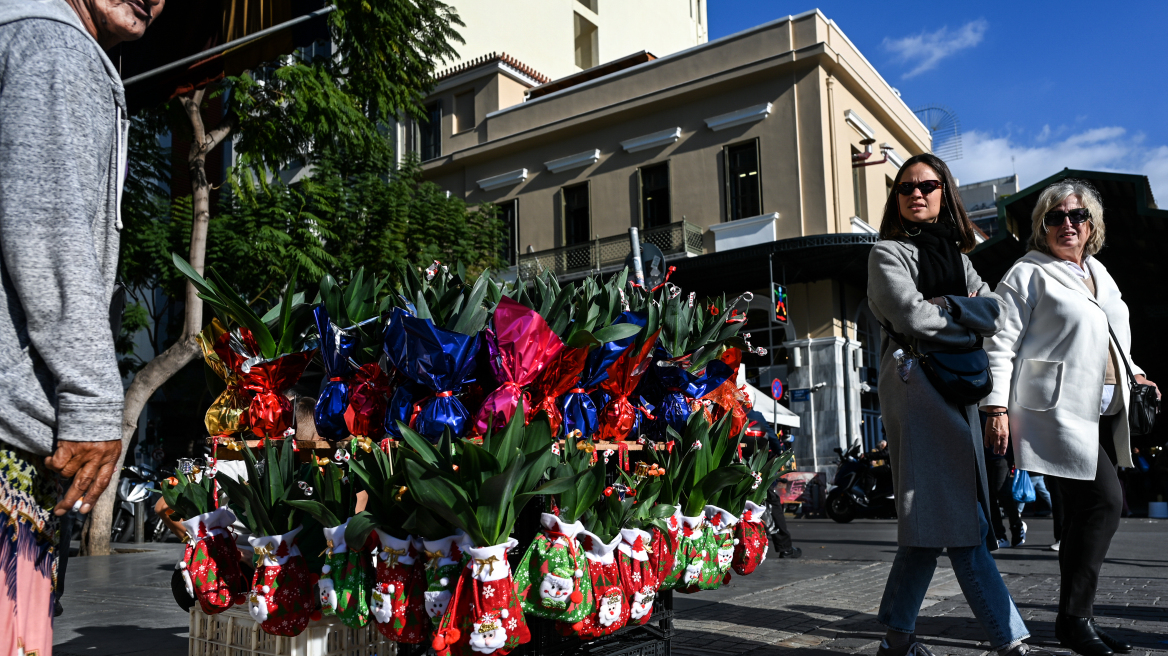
(680,239)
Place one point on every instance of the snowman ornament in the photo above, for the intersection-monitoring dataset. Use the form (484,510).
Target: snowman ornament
(436,602)
(556,590)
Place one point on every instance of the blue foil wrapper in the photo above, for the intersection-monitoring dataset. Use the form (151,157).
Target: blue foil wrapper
(336,348)
(681,388)
(440,360)
(401,405)
(580,411)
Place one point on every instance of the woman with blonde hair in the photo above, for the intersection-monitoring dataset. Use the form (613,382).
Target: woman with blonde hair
(1060,367)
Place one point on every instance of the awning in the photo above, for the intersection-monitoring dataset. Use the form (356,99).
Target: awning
(775,413)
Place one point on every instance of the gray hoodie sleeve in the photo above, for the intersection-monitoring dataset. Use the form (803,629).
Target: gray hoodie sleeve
(55,141)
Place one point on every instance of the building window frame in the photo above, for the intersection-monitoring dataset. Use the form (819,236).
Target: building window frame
(587,185)
(859,188)
(433,129)
(668,193)
(459,103)
(730,196)
(510,230)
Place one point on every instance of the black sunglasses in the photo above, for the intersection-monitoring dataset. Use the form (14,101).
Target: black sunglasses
(927,187)
(1055,218)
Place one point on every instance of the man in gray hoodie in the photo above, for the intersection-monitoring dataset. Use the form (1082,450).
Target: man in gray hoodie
(63,128)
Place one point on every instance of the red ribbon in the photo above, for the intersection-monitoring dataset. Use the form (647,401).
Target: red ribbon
(622,452)
(442,395)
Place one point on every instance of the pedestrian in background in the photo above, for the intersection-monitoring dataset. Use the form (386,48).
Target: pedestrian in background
(63,128)
(998,468)
(1060,387)
(1040,493)
(921,286)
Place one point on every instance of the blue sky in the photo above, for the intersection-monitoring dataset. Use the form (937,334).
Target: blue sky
(1051,84)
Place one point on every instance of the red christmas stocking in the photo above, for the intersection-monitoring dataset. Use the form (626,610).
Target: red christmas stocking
(444,562)
(751,548)
(210,566)
(638,576)
(485,616)
(281,596)
(611,611)
(398,598)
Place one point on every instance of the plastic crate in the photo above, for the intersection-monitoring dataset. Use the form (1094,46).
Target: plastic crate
(234,633)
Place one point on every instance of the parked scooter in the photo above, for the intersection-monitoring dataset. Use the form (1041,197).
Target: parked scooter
(137,484)
(861,488)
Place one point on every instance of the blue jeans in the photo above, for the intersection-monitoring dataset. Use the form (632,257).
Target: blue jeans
(1040,491)
(912,571)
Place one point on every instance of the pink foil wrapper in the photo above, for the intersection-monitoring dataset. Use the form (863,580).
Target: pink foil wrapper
(521,346)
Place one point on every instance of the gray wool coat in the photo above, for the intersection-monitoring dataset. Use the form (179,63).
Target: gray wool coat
(938,465)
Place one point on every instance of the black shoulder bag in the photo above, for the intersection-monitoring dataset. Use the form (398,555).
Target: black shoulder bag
(961,375)
(1144,404)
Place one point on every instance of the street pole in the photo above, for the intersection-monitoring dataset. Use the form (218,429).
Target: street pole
(638,268)
(771,332)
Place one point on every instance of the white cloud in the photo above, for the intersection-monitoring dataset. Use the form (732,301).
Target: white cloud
(1111,148)
(927,49)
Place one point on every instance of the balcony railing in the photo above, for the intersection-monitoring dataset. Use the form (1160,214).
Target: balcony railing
(680,239)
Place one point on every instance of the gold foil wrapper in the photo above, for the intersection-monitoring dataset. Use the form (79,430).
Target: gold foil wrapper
(228,414)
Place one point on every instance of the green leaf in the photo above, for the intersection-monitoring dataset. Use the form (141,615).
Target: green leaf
(358,529)
(616,332)
(495,495)
(287,336)
(317,511)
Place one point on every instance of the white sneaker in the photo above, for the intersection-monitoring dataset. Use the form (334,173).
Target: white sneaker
(1003,543)
(1020,539)
(1055,546)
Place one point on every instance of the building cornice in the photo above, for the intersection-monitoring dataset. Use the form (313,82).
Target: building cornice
(740,117)
(662,138)
(502,180)
(579,160)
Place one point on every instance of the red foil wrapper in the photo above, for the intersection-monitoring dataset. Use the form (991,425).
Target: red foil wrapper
(727,398)
(619,416)
(521,346)
(368,399)
(270,412)
(561,375)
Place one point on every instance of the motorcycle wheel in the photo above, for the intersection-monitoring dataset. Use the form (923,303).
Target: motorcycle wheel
(840,508)
(123,530)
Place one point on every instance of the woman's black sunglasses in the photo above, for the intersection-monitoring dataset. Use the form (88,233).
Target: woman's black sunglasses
(1055,218)
(927,187)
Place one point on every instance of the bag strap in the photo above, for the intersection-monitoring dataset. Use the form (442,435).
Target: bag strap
(898,338)
(1126,363)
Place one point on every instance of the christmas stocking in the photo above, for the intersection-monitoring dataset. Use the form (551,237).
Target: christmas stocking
(281,596)
(696,557)
(665,548)
(750,548)
(443,563)
(611,612)
(398,600)
(721,524)
(343,580)
(210,566)
(552,579)
(638,576)
(485,616)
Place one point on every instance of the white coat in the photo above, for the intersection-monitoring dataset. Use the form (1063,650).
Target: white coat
(1048,364)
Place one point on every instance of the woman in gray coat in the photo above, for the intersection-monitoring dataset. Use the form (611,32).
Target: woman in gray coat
(921,286)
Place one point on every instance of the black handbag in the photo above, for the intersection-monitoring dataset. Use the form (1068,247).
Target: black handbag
(1144,404)
(961,375)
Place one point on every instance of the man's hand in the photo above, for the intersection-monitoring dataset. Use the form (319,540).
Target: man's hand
(997,431)
(90,465)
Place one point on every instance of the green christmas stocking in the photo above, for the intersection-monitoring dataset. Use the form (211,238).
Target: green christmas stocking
(552,579)
(721,524)
(344,580)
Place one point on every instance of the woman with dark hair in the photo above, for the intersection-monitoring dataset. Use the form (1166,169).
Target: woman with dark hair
(922,288)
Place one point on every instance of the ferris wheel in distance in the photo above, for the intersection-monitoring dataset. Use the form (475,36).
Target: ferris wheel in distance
(945,128)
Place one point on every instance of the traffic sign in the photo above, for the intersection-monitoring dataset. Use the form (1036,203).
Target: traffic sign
(777,389)
(801,395)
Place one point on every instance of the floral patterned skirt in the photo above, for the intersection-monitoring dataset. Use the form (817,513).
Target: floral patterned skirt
(28,553)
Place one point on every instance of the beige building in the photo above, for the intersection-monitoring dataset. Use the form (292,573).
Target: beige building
(561,37)
(760,157)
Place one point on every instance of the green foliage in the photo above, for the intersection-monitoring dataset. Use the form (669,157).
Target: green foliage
(482,489)
(189,496)
(389,507)
(448,299)
(263,499)
(701,464)
(576,465)
(627,504)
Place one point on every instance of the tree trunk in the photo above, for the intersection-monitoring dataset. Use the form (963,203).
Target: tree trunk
(95,540)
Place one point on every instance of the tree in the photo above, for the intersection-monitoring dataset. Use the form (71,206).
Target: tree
(385,53)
